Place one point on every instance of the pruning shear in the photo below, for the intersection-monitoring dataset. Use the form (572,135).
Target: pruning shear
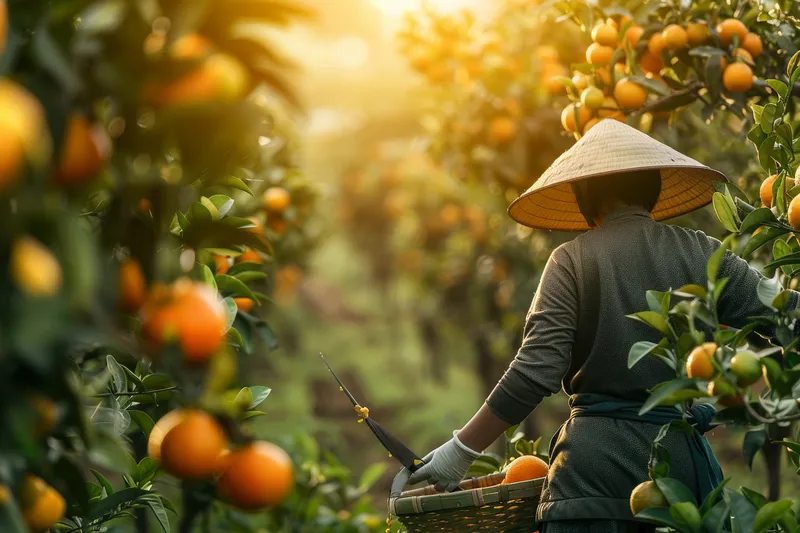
(397,449)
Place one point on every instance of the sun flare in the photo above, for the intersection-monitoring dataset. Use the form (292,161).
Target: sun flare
(396,8)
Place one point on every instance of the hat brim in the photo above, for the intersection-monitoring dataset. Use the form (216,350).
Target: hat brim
(554,206)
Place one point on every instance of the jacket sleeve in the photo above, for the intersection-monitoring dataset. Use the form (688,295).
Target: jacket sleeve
(544,357)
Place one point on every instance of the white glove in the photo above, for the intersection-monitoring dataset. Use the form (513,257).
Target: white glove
(446,465)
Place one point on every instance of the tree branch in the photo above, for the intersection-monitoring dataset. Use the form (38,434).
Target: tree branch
(134,393)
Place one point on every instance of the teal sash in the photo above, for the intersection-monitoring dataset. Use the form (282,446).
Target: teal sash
(706,466)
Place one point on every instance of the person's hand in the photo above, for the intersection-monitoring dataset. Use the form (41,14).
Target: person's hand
(446,465)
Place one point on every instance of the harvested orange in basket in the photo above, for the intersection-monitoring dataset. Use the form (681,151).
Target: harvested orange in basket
(525,468)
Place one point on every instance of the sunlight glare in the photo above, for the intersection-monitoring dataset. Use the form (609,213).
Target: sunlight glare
(396,8)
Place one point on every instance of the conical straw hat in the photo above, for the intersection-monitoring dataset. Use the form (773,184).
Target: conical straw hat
(612,147)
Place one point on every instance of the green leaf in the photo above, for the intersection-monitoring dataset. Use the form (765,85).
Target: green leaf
(664,391)
(726,212)
(686,514)
(146,470)
(232,285)
(230,311)
(715,260)
(753,442)
(371,476)
(756,498)
(118,375)
(210,207)
(222,203)
(781,301)
(484,465)
(742,511)
(762,238)
(109,504)
(236,337)
(103,482)
(713,77)
(652,319)
(260,393)
(675,491)
(768,289)
(713,497)
(253,414)
(640,350)
(714,520)
(246,266)
(791,66)
(658,301)
(250,275)
(236,183)
(691,290)
(756,135)
(768,516)
(768,117)
(658,515)
(143,420)
(50,55)
(156,505)
(783,260)
(208,276)
(766,151)
(651,85)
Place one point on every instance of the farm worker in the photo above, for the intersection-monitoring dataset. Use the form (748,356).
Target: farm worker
(616,182)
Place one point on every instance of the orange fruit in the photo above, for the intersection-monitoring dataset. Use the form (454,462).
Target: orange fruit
(591,124)
(765,191)
(46,415)
(656,44)
(605,34)
(699,363)
(729,28)
(547,53)
(192,448)
(794,213)
(277,225)
(741,53)
(221,263)
(597,54)
(629,95)
(524,468)
(276,200)
(501,130)
(190,47)
(34,268)
(132,285)
(144,205)
(220,78)
(42,506)
(697,33)
(24,135)
(725,393)
(257,475)
(602,76)
(249,256)
(552,81)
(580,82)
(650,63)
(568,118)
(737,78)
(633,34)
(244,304)
(610,109)
(187,312)
(160,430)
(84,153)
(592,98)
(646,496)
(752,43)
(675,37)
(3,25)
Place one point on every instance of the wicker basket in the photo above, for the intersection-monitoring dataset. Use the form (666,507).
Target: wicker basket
(482,504)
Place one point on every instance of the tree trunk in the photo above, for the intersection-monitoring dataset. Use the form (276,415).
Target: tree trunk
(433,346)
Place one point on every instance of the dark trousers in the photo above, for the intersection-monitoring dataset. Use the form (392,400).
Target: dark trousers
(596,526)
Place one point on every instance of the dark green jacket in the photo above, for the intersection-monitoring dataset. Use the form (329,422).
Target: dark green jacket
(586,289)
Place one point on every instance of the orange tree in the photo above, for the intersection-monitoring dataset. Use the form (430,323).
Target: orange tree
(147,187)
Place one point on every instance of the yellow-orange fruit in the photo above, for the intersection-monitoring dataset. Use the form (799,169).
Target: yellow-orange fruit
(192,448)
(568,118)
(700,364)
(132,286)
(221,263)
(244,304)
(741,53)
(752,43)
(84,153)
(647,495)
(633,34)
(650,63)
(737,78)
(592,98)
(189,313)
(24,137)
(524,468)
(656,44)
(794,213)
(160,430)
(42,505)
(697,32)
(597,54)
(276,200)
(220,78)
(729,28)
(249,256)
(580,82)
(765,191)
(46,415)
(257,475)
(605,34)
(34,269)
(610,109)
(3,25)
(675,37)
(501,130)
(629,95)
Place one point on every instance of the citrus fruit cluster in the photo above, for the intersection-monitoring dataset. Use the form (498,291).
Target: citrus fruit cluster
(626,65)
(192,445)
(743,370)
(766,194)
